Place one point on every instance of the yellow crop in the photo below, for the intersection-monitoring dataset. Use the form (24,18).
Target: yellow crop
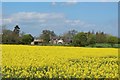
(20,61)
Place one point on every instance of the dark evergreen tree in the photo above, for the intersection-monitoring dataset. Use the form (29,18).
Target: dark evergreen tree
(16,30)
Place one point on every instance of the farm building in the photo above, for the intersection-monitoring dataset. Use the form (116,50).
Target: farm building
(37,42)
(52,41)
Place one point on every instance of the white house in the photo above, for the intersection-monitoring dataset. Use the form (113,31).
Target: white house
(56,41)
(60,41)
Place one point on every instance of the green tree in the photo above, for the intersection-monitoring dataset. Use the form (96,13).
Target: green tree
(80,39)
(91,39)
(112,40)
(47,35)
(27,39)
(100,37)
(68,36)
(7,36)
(118,40)
(10,37)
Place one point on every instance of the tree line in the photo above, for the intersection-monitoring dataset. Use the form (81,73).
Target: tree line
(15,37)
(70,38)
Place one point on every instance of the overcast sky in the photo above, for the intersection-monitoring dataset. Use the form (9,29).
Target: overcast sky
(33,17)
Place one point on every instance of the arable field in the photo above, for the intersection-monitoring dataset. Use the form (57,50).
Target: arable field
(22,61)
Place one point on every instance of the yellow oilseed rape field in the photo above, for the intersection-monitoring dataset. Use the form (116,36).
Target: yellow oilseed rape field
(22,61)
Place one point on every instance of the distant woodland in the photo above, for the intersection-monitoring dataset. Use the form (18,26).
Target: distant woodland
(70,38)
